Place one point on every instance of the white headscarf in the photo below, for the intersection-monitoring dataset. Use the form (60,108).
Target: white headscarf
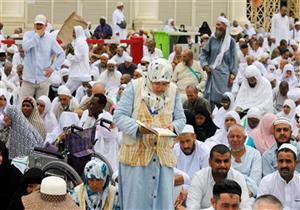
(48,115)
(293,81)
(226,42)
(259,96)
(290,103)
(219,115)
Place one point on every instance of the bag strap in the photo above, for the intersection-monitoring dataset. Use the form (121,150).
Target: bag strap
(194,73)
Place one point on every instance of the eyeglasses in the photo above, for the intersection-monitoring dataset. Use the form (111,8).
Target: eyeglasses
(284,129)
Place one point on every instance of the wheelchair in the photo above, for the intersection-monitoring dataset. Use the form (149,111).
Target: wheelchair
(68,160)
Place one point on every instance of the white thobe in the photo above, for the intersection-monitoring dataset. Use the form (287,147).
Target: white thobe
(295,35)
(117,18)
(287,193)
(111,83)
(192,163)
(200,191)
(280,28)
(156,54)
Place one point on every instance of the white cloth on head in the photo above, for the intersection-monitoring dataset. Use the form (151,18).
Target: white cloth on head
(169,27)
(292,80)
(48,115)
(290,103)
(260,96)
(66,119)
(63,90)
(219,114)
(225,44)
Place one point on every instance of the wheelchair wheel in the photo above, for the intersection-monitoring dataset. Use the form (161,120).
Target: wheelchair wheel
(63,170)
(101,157)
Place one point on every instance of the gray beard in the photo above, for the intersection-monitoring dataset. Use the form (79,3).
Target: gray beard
(219,34)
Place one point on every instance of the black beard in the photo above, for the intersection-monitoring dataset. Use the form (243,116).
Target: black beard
(252,85)
(219,34)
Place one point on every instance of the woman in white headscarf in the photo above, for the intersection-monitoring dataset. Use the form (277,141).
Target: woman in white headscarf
(227,105)
(288,110)
(79,61)
(170,27)
(4,102)
(220,136)
(45,110)
(288,75)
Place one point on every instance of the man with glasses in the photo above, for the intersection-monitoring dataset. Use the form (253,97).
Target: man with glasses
(282,130)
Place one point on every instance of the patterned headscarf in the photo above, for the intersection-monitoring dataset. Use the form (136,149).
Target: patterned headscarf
(159,70)
(35,118)
(96,169)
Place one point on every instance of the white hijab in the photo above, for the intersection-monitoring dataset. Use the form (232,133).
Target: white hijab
(293,81)
(290,103)
(48,116)
(219,114)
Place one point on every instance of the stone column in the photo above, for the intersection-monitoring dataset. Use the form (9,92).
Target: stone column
(146,14)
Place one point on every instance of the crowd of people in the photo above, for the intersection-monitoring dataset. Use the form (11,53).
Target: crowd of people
(227,124)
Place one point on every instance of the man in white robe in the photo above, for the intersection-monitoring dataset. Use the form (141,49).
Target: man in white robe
(119,22)
(280,25)
(255,91)
(111,79)
(295,32)
(192,155)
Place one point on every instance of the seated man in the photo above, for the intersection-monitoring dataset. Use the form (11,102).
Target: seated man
(192,155)
(267,202)
(193,100)
(284,183)
(282,130)
(201,189)
(127,67)
(245,159)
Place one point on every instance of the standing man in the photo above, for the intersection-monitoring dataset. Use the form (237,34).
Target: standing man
(219,59)
(280,28)
(39,47)
(119,22)
(103,31)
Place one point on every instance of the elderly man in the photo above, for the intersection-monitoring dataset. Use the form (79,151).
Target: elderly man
(192,155)
(100,65)
(255,91)
(188,72)
(39,47)
(127,67)
(245,159)
(282,130)
(63,102)
(280,28)
(284,183)
(267,202)
(111,79)
(151,51)
(194,100)
(120,56)
(219,59)
(119,22)
(201,189)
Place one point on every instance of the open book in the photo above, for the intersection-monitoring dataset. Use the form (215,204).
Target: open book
(158,131)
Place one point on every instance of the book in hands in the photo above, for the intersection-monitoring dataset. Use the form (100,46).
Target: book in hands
(164,132)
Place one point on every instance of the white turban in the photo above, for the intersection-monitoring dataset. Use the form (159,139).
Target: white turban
(63,90)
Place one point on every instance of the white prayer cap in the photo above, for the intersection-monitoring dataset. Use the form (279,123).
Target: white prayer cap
(270,77)
(254,112)
(294,94)
(223,20)
(111,61)
(10,50)
(105,55)
(63,90)
(252,71)
(128,59)
(297,23)
(41,19)
(64,72)
(146,59)
(119,4)
(264,55)
(288,146)
(235,31)
(187,129)
(139,71)
(282,120)
(103,17)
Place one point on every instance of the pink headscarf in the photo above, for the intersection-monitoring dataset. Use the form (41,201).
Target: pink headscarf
(262,135)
